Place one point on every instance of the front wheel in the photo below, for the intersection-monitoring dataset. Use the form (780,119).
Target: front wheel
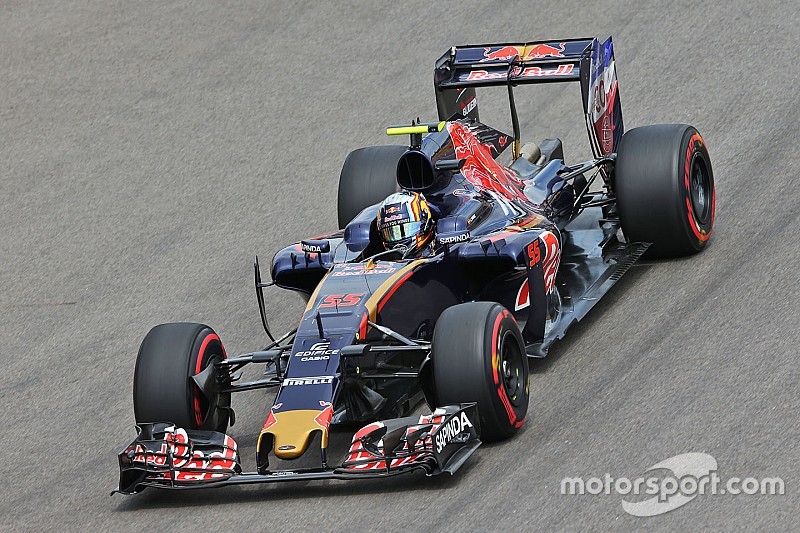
(665,189)
(479,356)
(163,388)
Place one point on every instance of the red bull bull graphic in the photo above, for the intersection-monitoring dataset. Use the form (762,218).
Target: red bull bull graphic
(524,53)
(542,51)
(480,168)
(506,53)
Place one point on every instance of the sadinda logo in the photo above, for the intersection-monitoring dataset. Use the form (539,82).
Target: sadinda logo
(682,478)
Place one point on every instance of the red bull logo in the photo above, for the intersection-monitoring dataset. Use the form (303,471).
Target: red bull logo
(528,72)
(538,51)
(506,53)
(541,51)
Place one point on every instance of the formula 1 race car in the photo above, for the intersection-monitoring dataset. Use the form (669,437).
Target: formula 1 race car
(521,252)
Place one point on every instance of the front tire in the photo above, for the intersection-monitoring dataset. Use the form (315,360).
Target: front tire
(163,388)
(479,356)
(665,189)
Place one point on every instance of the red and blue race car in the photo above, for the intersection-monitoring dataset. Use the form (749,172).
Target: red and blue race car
(521,252)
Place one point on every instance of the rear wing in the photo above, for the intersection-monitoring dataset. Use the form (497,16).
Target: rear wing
(463,68)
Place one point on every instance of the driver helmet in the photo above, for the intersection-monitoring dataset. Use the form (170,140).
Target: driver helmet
(405,220)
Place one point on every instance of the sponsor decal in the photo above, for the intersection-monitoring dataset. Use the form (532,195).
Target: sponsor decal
(393,218)
(450,239)
(537,51)
(341,300)
(528,72)
(380,270)
(282,473)
(467,107)
(286,447)
(540,51)
(311,248)
(606,138)
(457,425)
(315,246)
(315,380)
(359,270)
(505,53)
(602,98)
(392,209)
(319,351)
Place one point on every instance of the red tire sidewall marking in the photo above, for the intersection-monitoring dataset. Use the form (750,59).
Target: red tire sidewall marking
(696,142)
(198,367)
(501,390)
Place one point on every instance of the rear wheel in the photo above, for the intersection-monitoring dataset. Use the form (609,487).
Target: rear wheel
(163,388)
(479,356)
(368,176)
(665,189)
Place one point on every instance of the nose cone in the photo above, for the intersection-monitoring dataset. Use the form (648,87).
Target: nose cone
(291,431)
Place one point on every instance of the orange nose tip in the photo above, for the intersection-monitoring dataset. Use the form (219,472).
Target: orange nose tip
(292,432)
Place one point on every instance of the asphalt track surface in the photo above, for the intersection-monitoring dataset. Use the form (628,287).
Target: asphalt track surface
(148,150)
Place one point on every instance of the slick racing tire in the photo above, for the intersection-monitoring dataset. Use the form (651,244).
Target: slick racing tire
(479,356)
(163,388)
(665,189)
(368,176)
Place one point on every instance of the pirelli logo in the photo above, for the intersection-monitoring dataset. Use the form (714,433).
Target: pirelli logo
(314,380)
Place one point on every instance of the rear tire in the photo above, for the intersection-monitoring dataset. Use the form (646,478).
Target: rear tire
(163,389)
(665,189)
(479,356)
(368,176)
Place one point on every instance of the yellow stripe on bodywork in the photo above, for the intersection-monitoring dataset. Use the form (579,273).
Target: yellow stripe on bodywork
(313,297)
(372,302)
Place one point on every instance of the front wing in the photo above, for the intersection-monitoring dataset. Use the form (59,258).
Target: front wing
(169,457)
